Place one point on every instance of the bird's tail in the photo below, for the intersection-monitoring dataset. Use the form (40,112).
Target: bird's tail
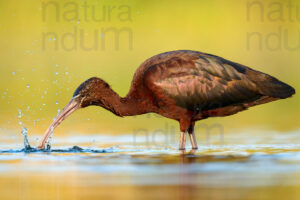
(270,86)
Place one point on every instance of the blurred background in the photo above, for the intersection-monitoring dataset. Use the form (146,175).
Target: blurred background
(49,47)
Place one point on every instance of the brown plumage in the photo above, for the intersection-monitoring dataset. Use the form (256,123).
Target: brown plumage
(186,86)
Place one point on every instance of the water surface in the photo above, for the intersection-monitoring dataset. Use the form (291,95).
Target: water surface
(242,166)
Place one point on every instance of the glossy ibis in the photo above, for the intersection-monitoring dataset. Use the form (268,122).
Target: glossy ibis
(186,86)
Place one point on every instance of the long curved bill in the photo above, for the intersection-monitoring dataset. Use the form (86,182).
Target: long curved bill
(68,110)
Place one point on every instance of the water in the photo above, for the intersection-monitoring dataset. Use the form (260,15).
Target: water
(49,140)
(255,165)
(26,142)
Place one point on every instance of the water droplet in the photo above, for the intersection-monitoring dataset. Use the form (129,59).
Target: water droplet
(66,73)
(56,102)
(13,73)
(19,113)
(27,85)
(56,73)
(44,104)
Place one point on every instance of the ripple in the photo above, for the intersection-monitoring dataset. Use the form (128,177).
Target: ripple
(74,149)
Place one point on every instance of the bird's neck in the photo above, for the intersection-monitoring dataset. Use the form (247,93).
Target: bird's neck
(121,106)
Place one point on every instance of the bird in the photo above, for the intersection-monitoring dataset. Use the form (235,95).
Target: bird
(183,85)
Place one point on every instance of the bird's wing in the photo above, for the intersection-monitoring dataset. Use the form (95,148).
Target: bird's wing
(206,83)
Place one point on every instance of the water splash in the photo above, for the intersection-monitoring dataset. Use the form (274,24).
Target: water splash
(74,149)
(49,140)
(26,142)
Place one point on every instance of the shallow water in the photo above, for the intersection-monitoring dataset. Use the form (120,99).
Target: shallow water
(254,165)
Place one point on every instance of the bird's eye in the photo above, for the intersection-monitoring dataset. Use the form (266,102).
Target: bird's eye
(82,95)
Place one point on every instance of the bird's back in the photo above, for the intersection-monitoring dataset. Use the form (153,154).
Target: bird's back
(199,81)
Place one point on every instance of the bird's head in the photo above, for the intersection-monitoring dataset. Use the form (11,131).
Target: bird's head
(90,92)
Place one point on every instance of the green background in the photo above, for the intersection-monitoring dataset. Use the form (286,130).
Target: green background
(38,78)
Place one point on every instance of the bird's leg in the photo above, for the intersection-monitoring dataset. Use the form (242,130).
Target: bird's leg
(182,141)
(192,136)
(193,140)
(185,123)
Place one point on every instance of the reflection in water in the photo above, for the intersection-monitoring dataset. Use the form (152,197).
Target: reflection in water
(98,169)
